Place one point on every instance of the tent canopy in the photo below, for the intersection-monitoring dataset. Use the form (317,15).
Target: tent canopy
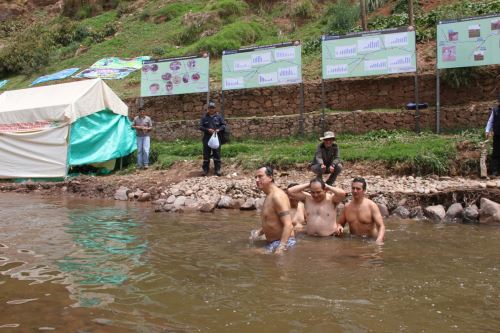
(66,102)
(45,130)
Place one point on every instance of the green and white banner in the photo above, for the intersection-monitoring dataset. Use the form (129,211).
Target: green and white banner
(369,53)
(175,76)
(473,41)
(271,65)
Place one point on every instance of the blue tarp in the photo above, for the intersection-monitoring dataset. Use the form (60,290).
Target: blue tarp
(56,76)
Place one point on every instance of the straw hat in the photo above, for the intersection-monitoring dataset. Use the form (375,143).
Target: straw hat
(328,135)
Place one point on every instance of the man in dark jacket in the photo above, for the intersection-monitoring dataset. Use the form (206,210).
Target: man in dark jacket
(211,122)
(493,125)
(326,159)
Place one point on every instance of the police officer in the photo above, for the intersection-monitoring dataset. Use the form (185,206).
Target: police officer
(211,122)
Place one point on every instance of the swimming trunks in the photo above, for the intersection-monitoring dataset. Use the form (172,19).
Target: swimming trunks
(271,247)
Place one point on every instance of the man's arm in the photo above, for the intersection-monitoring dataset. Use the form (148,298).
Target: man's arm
(339,230)
(318,156)
(297,191)
(222,126)
(282,207)
(379,221)
(336,154)
(338,194)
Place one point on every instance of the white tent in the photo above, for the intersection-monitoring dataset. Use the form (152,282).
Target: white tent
(36,126)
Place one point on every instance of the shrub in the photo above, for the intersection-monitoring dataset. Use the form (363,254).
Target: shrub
(158,51)
(304,9)
(341,18)
(371,5)
(459,77)
(174,10)
(227,9)
(401,6)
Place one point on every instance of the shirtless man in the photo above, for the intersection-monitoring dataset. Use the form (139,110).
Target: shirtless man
(320,206)
(362,214)
(275,216)
(297,211)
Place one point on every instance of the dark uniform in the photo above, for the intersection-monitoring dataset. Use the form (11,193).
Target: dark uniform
(216,122)
(494,125)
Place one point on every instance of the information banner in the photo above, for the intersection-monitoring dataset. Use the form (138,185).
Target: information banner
(263,66)
(378,52)
(473,41)
(175,76)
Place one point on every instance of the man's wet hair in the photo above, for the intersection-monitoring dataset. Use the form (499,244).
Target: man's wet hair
(292,185)
(360,180)
(318,180)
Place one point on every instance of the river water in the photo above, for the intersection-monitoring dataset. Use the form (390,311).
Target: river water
(73,265)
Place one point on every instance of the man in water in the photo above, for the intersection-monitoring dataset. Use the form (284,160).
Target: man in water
(362,214)
(297,211)
(275,215)
(320,205)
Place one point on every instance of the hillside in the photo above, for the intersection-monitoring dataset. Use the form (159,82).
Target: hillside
(45,36)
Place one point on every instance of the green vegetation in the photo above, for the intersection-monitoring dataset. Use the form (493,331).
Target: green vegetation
(422,154)
(88,31)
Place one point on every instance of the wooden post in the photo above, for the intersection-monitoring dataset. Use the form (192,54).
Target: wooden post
(362,8)
(410,13)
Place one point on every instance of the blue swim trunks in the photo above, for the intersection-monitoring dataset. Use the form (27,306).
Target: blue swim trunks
(271,247)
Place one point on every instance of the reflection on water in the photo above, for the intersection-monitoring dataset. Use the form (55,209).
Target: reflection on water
(106,249)
(107,267)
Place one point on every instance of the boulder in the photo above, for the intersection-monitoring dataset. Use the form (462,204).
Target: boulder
(401,212)
(207,207)
(417,213)
(471,214)
(144,197)
(171,199)
(454,212)
(489,212)
(383,210)
(224,202)
(436,213)
(122,193)
(249,204)
(179,201)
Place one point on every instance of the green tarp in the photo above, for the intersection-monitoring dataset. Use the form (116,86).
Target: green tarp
(100,137)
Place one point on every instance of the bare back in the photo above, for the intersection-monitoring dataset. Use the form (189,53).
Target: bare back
(321,216)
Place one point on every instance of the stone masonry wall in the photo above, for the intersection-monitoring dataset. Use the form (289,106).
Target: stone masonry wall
(274,112)
(359,122)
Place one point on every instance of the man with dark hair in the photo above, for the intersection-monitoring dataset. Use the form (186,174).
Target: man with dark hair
(275,215)
(326,159)
(320,205)
(493,125)
(211,122)
(362,214)
(143,125)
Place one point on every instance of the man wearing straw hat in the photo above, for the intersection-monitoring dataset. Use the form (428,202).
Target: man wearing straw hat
(326,159)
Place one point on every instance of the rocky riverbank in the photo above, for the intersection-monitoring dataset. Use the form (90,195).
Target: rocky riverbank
(454,199)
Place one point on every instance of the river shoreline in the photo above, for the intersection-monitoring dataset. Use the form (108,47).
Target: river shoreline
(178,190)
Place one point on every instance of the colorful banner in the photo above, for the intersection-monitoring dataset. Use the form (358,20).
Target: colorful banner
(369,53)
(3,83)
(119,63)
(112,68)
(473,41)
(263,66)
(104,73)
(175,76)
(55,76)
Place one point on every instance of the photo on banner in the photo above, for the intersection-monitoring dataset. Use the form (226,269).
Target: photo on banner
(468,42)
(175,76)
(263,66)
(378,52)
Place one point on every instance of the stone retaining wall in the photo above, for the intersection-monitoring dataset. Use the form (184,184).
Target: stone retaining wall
(475,115)
(345,94)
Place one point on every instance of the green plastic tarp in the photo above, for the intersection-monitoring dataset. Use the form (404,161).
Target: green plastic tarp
(100,137)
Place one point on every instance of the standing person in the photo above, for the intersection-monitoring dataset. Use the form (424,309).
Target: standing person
(362,214)
(211,122)
(275,215)
(143,125)
(320,206)
(326,159)
(494,125)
